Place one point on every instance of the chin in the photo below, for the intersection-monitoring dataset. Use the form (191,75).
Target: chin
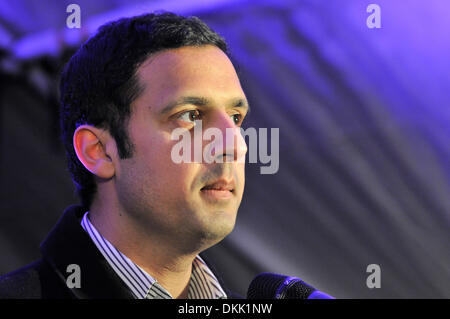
(217,229)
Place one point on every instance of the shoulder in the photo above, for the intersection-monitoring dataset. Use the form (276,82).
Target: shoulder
(34,281)
(22,283)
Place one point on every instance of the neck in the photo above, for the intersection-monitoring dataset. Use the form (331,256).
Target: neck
(170,267)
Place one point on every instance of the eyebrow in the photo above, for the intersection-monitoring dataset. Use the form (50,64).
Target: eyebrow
(203,101)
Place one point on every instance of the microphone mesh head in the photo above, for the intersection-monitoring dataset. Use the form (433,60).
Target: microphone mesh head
(264,286)
(298,290)
(275,286)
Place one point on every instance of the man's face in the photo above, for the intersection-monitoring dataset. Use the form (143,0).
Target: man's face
(180,202)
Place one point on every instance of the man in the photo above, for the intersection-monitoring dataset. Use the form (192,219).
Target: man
(144,218)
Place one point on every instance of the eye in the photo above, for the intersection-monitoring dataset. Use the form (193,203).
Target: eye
(190,116)
(237,118)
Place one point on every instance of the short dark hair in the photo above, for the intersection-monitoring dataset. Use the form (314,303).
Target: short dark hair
(99,83)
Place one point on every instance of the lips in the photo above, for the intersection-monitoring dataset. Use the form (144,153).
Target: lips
(220,185)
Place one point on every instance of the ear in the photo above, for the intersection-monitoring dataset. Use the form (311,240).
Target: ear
(96,150)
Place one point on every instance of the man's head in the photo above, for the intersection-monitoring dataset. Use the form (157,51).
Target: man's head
(120,95)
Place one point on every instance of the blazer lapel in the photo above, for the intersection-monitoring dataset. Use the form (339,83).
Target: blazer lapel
(68,244)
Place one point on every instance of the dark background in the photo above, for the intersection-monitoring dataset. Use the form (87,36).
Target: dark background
(364,114)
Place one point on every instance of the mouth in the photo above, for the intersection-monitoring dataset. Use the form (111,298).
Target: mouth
(219,190)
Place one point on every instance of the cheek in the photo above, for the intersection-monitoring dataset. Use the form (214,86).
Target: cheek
(240,171)
(167,176)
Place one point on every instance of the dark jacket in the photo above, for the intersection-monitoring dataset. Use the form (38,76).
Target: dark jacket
(66,244)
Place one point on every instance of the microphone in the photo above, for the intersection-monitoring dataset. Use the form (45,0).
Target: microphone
(275,286)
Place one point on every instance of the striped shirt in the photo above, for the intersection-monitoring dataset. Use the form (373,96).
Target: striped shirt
(202,285)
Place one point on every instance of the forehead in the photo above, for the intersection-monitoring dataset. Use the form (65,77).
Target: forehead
(204,70)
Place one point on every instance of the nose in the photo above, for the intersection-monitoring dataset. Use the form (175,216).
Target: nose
(231,147)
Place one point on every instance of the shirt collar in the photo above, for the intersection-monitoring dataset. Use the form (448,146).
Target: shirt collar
(203,284)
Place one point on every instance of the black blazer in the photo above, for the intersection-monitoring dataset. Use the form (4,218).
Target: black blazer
(68,243)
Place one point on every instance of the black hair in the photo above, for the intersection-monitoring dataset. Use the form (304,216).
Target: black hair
(99,82)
